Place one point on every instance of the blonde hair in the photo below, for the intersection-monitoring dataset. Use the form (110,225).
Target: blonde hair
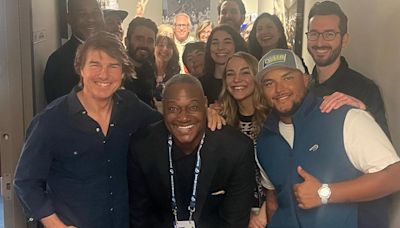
(202,26)
(230,107)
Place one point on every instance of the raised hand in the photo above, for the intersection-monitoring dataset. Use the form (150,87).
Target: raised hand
(307,192)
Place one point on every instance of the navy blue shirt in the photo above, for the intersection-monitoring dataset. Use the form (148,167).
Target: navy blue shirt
(69,167)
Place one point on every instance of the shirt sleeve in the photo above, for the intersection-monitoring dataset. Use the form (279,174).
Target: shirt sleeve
(32,171)
(265,182)
(366,145)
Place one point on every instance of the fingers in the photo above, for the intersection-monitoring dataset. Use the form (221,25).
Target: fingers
(304,174)
(337,100)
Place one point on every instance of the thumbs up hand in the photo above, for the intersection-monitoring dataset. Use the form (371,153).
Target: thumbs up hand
(306,193)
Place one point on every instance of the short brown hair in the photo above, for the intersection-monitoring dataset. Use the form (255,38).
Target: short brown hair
(110,44)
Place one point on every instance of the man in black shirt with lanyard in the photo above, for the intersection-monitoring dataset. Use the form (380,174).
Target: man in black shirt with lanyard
(183,175)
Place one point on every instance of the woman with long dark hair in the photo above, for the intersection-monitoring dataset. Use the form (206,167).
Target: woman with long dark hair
(222,43)
(267,33)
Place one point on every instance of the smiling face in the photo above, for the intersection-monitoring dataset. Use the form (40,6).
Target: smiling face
(222,47)
(205,33)
(239,79)
(267,34)
(141,44)
(230,14)
(184,108)
(284,90)
(322,51)
(181,28)
(85,18)
(195,62)
(163,50)
(101,75)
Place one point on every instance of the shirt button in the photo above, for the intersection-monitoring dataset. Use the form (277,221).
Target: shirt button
(104,141)
(112,125)
(108,160)
(83,112)
(75,153)
(110,177)
(98,129)
(30,219)
(111,193)
(111,209)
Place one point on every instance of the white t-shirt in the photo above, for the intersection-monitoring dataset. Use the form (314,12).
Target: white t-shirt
(366,145)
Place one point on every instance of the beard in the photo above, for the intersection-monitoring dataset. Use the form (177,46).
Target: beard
(138,54)
(325,62)
(295,107)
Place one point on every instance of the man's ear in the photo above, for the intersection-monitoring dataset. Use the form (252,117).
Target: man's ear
(206,101)
(345,40)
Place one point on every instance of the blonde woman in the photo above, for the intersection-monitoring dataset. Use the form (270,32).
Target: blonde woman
(203,30)
(243,106)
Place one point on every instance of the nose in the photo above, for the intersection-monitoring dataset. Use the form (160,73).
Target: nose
(279,87)
(183,116)
(103,74)
(236,78)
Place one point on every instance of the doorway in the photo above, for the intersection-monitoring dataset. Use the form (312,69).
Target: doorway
(16,98)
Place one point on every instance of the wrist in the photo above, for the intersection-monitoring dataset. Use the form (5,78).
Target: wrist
(324,193)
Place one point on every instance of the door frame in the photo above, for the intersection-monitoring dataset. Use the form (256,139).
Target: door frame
(16,97)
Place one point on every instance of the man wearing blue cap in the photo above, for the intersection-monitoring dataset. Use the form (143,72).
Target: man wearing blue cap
(320,164)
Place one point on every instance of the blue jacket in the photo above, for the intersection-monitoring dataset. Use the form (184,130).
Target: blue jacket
(318,147)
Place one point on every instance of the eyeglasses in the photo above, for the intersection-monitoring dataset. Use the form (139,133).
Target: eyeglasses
(181,25)
(328,35)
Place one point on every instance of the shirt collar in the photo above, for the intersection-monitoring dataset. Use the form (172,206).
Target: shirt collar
(339,71)
(75,106)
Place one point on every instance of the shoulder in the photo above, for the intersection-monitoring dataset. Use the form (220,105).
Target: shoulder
(229,136)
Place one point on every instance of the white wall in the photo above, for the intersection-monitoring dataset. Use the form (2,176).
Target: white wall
(374,51)
(44,23)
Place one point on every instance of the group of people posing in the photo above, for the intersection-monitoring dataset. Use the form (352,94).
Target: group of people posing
(133,135)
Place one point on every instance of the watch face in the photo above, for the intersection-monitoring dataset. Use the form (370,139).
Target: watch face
(325,192)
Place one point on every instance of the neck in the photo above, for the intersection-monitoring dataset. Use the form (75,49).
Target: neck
(136,63)
(219,71)
(325,72)
(93,105)
(266,50)
(286,119)
(246,107)
(188,148)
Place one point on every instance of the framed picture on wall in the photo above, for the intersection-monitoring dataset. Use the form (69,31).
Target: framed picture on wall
(198,10)
(291,13)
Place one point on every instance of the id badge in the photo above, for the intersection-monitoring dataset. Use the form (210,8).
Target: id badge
(185,224)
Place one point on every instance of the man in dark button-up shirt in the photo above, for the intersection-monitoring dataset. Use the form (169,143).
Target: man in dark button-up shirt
(73,167)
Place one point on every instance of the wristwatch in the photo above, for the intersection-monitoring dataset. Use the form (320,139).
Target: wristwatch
(324,193)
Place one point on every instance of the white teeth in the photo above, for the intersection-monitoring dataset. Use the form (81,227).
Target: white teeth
(238,87)
(103,84)
(185,127)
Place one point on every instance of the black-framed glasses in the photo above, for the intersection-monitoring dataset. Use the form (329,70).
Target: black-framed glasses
(328,35)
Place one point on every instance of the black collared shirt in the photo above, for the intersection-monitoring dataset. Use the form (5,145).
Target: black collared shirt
(352,83)
(69,167)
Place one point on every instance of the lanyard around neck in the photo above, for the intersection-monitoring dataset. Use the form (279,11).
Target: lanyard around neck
(192,205)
